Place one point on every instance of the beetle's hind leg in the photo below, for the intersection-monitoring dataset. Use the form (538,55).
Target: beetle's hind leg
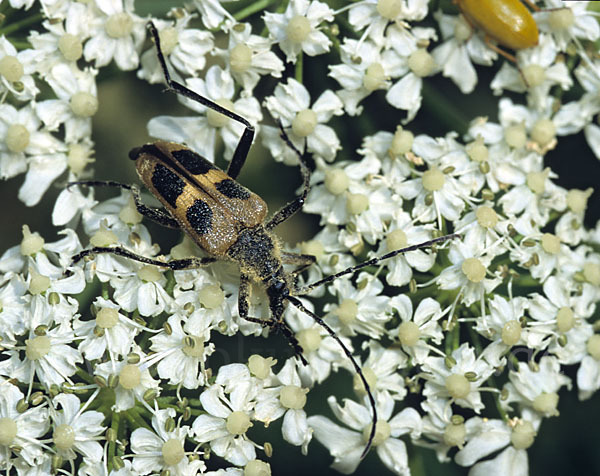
(155,214)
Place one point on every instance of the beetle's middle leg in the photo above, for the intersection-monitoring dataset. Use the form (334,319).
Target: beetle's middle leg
(155,214)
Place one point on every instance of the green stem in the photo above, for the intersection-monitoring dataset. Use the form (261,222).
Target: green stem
(445,110)
(112,447)
(298,74)
(86,377)
(16,26)
(501,410)
(475,340)
(135,419)
(20,45)
(252,9)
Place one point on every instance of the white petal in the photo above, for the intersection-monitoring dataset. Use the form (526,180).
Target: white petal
(295,427)
(213,404)
(43,169)
(145,441)
(406,93)
(336,439)
(510,462)
(592,135)
(208,428)
(492,436)
(393,454)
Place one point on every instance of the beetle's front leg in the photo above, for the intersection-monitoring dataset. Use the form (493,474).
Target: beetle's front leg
(244,305)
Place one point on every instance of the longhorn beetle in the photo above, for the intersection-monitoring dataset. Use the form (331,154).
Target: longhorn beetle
(227,221)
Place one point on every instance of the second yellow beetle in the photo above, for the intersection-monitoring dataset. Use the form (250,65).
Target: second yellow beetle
(508,22)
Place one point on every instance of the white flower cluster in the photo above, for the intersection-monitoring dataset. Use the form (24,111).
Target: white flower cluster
(479,329)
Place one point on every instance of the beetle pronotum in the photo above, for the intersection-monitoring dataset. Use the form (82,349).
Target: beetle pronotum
(228,222)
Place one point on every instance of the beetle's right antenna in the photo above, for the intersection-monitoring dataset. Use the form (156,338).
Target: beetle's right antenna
(296,302)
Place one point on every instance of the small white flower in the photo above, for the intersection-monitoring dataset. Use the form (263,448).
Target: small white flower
(182,353)
(331,255)
(50,357)
(25,146)
(415,329)
(63,41)
(567,22)
(364,69)
(77,102)
(12,291)
(228,418)
(305,124)
(439,427)
(588,374)
(382,371)
(116,332)
(143,289)
(17,68)
(484,225)
(163,449)
(401,233)
(21,429)
(134,380)
(347,195)
(76,430)
(540,66)
(461,46)
(360,310)
(286,397)
(412,66)
(209,296)
(184,49)
(375,16)
(213,14)
(444,381)
(570,227)
(487,436)
(297,29)
(322,352)
(536,388)
(346,445)
(533,201)
(469,271)
(438,192)
(249,57)
(115,33)
(504,322)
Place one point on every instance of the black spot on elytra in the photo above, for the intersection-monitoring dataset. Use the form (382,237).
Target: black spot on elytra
(199,215)
(192,162)
(167,184)
(231,189)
